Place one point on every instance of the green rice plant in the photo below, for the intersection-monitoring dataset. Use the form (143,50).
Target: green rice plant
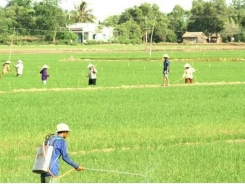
(121,129)
(72,74)
(127,127)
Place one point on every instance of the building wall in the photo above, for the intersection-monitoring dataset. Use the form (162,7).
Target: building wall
(88,31)
(190,40)
(195,40)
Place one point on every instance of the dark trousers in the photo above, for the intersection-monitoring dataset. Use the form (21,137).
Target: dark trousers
(49,179)
(186,80)
(92,82)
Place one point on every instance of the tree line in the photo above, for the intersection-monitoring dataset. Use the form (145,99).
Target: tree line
(45,21)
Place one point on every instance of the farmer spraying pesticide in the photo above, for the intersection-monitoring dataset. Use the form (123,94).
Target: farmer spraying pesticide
(49,168)
(188,73)
(166,70)
(44,74)
(92,74)
(19,68)
(6,68)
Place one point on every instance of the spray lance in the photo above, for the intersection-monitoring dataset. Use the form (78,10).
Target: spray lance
(103,170)
(43,158)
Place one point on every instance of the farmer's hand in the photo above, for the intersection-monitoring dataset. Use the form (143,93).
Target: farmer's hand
(80,168)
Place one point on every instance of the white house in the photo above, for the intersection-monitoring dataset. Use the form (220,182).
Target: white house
(90,31)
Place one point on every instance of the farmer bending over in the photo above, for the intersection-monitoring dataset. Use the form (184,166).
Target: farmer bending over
(188,73)
(6,68)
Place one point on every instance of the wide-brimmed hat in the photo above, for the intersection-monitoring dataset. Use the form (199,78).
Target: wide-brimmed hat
(19,61)
(165,56)
(90,65)
(45,66)
(187,65)
(62,127)
(8,62)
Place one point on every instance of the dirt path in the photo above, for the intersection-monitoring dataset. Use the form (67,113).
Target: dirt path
(54,49)
(121,87)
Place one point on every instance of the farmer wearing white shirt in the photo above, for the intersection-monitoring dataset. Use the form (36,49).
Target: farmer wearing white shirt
(188,73)
(19,68)
(91,74)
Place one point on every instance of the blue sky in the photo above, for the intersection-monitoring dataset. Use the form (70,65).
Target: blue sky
(103,8)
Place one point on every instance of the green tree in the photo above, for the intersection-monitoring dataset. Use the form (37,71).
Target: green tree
(6,24)
(146,16)
(177,21)
(208,17)
(238,11)
(50,18)
(111,21)
(22,15)
(230,29)
(82,13)
(128,32)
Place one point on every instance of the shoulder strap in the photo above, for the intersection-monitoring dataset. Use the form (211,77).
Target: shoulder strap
(48,138)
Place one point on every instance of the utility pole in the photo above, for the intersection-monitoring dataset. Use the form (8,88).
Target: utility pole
(152,35)
(69,17)
(146,29)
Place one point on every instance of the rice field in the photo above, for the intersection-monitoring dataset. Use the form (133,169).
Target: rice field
(127,128)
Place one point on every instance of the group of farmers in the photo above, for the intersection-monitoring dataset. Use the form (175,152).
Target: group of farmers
(19,68)
(92,71)
(44,75)
(91,74)
(187,76)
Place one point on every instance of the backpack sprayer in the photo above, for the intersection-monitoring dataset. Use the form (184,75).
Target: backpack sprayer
(43,156)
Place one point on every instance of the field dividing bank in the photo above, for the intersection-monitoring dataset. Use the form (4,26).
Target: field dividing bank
(120,87)
(127,128)
(114,52)
(129,47)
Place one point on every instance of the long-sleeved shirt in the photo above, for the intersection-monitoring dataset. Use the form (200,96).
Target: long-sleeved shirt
(92,73)
(6,68)
(60,150)
(188,73)
(19,68)
(166,64)
(44,74)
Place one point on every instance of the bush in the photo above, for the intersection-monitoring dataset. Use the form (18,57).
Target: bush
(115,41)
(91,42)
(240,37)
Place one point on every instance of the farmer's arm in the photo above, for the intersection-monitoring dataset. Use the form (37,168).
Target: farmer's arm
(9,68)
(66,158)
(89,73)
(45,73)
(167,68)
(94,70)
(184,74)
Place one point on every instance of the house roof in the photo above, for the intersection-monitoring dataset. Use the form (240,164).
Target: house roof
(85,27)
(194,35)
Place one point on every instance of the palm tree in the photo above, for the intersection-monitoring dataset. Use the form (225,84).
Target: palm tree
(83,14)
